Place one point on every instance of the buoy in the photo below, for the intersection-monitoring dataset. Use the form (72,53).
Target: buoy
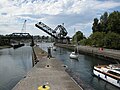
(101,49)
(44,87)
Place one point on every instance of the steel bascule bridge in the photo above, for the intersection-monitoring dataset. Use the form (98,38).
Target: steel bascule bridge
(59,33)
(20,36)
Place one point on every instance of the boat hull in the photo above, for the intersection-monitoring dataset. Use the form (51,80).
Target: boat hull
(73,56)
(17,46)
(106,77)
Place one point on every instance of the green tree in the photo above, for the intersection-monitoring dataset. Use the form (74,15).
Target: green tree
(112,40)
(77,37)
(95,25)
(101,39)
(114,22)
(104,18)
(84,42)
(97,39)
(106,33)
(103,22)
(107,23)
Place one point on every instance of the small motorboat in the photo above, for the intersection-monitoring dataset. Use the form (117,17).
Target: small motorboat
(109,73)
(18,46)
(74,55)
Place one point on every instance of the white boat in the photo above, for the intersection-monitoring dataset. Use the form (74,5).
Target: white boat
(54,48)
(74,55)
(109,73)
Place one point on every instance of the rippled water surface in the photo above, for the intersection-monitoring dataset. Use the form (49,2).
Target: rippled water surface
(14,64)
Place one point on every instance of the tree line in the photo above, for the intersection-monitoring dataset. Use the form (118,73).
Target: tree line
(107,23)
(4,40)
(105,32)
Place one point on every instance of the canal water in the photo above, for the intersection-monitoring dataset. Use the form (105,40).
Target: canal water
(81,69)
(14,64)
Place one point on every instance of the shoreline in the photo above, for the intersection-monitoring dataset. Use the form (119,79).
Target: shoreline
(106,54)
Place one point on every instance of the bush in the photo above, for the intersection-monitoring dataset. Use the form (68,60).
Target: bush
(100,39)
(112,40)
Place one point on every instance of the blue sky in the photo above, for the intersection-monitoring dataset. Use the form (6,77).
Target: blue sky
(78,14)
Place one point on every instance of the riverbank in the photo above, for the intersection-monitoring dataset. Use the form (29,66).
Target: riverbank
(107,54)
(48,71)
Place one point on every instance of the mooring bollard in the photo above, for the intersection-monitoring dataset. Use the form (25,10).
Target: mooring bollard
(49,52)
(44,87)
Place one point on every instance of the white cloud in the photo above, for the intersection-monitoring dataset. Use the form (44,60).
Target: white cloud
(52,12)
(83,27)
(106,5)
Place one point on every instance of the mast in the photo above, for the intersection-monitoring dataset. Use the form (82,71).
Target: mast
(76,45)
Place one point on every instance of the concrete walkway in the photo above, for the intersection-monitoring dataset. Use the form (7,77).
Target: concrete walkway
(50,71)
(110,53)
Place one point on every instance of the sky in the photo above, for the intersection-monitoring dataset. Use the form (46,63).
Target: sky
(77,15)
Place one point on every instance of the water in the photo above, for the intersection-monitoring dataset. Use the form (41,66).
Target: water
(81,70)
(14,64)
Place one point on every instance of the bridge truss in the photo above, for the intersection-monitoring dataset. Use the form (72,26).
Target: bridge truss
(59,33)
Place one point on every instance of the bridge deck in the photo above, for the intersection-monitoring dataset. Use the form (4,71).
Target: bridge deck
(54,75)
